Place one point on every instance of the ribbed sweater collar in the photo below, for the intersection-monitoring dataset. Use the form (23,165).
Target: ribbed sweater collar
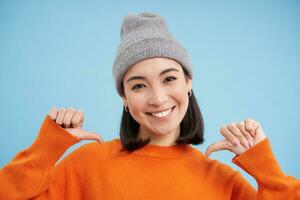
(162,151)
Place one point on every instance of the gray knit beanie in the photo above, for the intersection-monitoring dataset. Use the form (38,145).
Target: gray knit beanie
(144,36)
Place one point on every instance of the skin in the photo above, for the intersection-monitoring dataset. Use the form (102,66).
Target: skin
(71,120)
(156,92)
(236,135)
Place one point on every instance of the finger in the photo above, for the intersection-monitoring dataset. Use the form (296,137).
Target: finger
(86,135)
(60,116)
(68,116)
(92,136)
(241,127)
(78,118)
(217,146)
(53,113)
(249,126)
(237,133)
(256,125)
(229,136)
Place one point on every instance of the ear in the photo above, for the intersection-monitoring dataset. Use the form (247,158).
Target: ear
(189,84)
(124,100)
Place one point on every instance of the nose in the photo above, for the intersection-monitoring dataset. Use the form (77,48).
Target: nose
(157,97)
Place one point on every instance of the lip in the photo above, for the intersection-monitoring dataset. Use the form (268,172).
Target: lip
(163,118)
(161,110)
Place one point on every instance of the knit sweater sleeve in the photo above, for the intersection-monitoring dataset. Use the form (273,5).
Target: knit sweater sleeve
(30,173)
(272,182)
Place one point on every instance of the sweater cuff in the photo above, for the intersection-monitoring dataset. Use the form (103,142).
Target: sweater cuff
(259,161)
(51,143)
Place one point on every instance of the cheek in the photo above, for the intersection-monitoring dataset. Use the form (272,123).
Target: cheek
(180,93)
(136,104)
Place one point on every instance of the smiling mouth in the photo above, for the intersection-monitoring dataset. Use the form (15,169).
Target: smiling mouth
(161,114)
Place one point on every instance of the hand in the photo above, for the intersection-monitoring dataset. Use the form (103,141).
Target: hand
(239,137)
(72,121)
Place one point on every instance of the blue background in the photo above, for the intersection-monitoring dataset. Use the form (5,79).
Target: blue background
(245,54)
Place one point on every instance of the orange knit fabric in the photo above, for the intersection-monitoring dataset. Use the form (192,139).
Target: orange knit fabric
(101,171)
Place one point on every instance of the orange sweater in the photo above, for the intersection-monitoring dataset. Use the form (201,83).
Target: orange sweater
(101,171)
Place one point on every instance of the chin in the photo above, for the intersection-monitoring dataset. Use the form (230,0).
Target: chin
(164,132)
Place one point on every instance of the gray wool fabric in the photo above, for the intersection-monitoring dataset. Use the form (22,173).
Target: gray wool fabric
(145,36)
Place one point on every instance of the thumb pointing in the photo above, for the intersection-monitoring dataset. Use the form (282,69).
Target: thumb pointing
(85,135)
(217,146)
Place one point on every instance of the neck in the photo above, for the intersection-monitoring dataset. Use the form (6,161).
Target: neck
(160,139)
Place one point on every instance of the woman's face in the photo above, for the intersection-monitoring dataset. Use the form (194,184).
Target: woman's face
(156,93)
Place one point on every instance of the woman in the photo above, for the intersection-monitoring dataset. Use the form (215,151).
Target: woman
(153,158)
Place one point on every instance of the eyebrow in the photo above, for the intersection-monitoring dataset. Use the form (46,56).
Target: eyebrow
(161,73)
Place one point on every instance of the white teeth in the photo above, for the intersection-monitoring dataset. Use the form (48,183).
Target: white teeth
(162,114)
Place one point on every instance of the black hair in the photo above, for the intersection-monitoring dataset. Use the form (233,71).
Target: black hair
(191,127)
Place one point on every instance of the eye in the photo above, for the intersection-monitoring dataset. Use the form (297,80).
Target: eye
(137,86)
(170,78)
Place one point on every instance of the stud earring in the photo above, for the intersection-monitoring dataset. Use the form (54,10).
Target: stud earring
(126,108)
(190,93)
